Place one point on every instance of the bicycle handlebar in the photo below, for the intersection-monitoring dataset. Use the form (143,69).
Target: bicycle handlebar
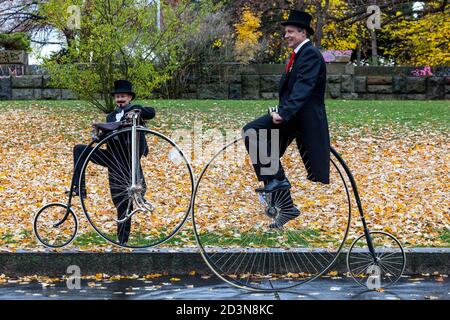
(99,129)
(131,113)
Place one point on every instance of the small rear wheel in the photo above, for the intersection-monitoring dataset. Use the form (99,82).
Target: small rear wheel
(377,271)
(53,228)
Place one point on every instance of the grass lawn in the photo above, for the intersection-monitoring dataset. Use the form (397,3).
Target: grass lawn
(342,114)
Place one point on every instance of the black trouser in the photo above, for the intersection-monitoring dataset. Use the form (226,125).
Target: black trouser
(254,144)
(119,169)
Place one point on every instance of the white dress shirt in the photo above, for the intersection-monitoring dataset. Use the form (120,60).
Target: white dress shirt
(300,45)
(119,116)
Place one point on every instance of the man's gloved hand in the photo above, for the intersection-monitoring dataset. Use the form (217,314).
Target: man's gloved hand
(147,113)
(276,118)
(273,109)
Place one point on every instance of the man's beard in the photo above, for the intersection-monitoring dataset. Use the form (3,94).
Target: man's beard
(121,103)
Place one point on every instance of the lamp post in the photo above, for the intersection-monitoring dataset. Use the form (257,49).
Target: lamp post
(158,14)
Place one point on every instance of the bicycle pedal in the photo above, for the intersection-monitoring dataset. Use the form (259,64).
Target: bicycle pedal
(263,191)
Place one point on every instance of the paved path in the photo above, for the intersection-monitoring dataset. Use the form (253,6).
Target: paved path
(195,287)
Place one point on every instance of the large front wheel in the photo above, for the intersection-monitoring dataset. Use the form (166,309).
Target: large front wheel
(147,210)
(232,224)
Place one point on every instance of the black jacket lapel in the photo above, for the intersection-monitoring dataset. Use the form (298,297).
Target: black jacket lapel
(285,76)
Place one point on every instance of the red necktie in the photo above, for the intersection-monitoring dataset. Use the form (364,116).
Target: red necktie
(291,60)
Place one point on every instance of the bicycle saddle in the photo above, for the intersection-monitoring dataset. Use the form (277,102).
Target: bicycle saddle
(99,130)
(109,126)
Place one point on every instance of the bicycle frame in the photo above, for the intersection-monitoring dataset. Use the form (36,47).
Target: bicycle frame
(134,165)
(69,201)
(358,202)
(135,188)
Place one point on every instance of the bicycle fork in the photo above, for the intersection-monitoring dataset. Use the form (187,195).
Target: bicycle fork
(135,189)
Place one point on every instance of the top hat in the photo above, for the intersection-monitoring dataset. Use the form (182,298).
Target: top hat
(299,19)
(123,86)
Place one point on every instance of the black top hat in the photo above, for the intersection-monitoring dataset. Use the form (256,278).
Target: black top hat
(300,19)
(123,86)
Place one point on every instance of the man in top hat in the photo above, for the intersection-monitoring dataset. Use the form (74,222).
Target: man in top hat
(300,115)
(123,95)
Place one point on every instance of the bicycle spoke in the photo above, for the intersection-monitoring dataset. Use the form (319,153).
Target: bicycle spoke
(148,213)
(237,242)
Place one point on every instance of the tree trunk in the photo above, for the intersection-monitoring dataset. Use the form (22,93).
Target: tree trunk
(373,36)
(359,46)
(358,55)
(300,5)
(321,17)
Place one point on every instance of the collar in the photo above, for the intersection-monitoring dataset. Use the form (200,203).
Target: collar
(119,109)
(300,45)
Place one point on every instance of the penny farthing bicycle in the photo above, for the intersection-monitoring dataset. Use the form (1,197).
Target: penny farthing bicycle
(231,226)
(153,189)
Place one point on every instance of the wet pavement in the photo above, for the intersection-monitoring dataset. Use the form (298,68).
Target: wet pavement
(196,287)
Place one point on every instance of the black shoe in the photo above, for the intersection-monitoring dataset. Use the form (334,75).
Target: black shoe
(123,242)
(275,185)
(284,217)
(76,192)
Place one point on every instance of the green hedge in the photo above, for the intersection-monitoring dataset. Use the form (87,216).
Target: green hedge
(15,41)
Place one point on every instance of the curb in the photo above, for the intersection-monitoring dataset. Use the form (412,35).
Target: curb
(175,262)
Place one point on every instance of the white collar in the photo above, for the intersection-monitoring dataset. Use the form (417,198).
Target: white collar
(119,115)
(300,45)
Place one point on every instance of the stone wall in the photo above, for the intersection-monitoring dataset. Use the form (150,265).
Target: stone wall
(32,87)
(235,81)
(388,87)
(344,81)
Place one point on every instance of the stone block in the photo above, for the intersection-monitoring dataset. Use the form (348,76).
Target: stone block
(46,82)
(435,88)
(234,91)
(416,96)
(13,57)
(37,94)
(233,79)
(360,84)
(379,89)
(5,88)
(416,85)
(334,78)
(269,95)
(376,80)
(350,96)
(26,94)
(347,84)
(398,84)
(447,89)
(250,87)
(269,83)
(334,90)
(27,81)
(51,94)
(67,94)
